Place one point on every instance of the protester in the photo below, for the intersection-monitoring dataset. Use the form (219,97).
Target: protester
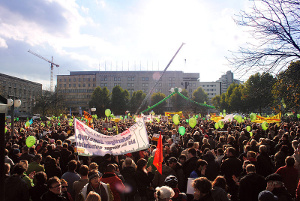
(54,191)
(71,176)
(93,196)
(164,193)
(40,187)
(202,189)
(97,186)
(78,185)
(219,189)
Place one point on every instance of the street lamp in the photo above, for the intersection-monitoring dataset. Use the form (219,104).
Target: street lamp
(13,103)
(93,109)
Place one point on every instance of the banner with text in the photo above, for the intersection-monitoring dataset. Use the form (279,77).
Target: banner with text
(89,142)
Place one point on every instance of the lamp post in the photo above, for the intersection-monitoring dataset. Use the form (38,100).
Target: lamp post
(13,103)
(93,109)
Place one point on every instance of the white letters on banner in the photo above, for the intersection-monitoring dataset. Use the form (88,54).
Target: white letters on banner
(89,142)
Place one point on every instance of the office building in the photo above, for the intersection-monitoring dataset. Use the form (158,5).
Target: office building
(25,90)
(226,80)
(211,88)
(77,88)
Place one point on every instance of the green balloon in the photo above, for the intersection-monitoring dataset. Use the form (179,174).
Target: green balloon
(298,116)
(252,116)
(264,126)
(181,130)
(248,128)
(216,125)
(192,122)
(187,121)
(27,124)
(251,134)
(107,112)
(239,119)
(197,116)
(158,120)
(70,124)
(5,130)
(30,141)
(221,124)
(176,119)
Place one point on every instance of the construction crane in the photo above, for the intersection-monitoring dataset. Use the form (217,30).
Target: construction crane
(51,63)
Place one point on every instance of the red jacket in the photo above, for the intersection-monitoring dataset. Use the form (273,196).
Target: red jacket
(289,177)
(115,183)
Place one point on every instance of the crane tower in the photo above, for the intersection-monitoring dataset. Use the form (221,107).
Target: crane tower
(51,64)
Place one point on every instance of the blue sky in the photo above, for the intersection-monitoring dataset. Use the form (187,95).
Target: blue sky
(118,34)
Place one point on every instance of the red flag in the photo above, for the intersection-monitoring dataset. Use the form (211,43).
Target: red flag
(158,157)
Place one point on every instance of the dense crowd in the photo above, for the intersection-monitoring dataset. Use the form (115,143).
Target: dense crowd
(217,164)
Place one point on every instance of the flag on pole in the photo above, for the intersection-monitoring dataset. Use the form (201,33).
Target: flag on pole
(158,157)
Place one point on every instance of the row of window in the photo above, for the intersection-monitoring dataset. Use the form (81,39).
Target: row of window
(211,94)
(77,90)
(79,85)
(212,85)
(79,79)
(78,96)
(210,90)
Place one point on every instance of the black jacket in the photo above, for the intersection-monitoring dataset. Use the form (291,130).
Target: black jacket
(16,189)
(250,186)
(49,196)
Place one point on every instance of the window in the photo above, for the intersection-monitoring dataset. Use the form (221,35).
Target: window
(105,79)
(79,79)
(94,85)
(89,79)
(83,85)
(129,84)
(69,85)
(115,79)
(194,85)
(103,84)
(89,85)
(94,79)
(74,85)
(74,79)
(159,84)
(65,80)
(129,79)
(60,85)
(145,84)
(60,80)
(79,85)
(65,85)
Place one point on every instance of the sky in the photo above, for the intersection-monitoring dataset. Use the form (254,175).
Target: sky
(93,35)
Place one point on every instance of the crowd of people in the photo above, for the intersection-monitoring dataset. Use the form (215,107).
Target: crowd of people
(204,164)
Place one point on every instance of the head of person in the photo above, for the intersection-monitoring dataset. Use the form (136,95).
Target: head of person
(37,158)
(220,181)
(40,178)
(93,166)
(172,162)
(93,196)
(19,169)
(141,164)
(220,152)
(290,161)
(54,185)
(83,170)
(230,151)
(267,196)
(182,159)
(192,152)
(72,165)
(164,193)
(107,157)
(94,178)
(171,181)
(250,168)
(202,187)
(64,185)
(128,162)
(201,165)
(110,168)
(274,181)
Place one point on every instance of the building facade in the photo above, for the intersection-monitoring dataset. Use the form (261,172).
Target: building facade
(25,90)
(211,88)
(226,80)
(77,88)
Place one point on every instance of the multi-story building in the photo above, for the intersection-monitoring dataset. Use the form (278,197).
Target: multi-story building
(226,80)
(211,88)
(25,90)
(78,87)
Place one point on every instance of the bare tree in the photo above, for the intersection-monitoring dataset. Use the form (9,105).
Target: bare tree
(275,26)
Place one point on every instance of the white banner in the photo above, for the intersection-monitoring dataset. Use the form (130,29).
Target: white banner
(89,142)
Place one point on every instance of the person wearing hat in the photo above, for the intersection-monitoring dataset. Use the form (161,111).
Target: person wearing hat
(267,196)
(172,182)
(164,193)
(97,186)
(276,186)
(177,167)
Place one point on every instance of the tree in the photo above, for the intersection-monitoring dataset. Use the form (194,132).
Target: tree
(216,101)
(178,102)
(227,96)
(275,26)
(287,87)
(258,92)
(119,100)
(136,100)
(235,99)
(48,104)
(200,96)
(100,100)
(155,98)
